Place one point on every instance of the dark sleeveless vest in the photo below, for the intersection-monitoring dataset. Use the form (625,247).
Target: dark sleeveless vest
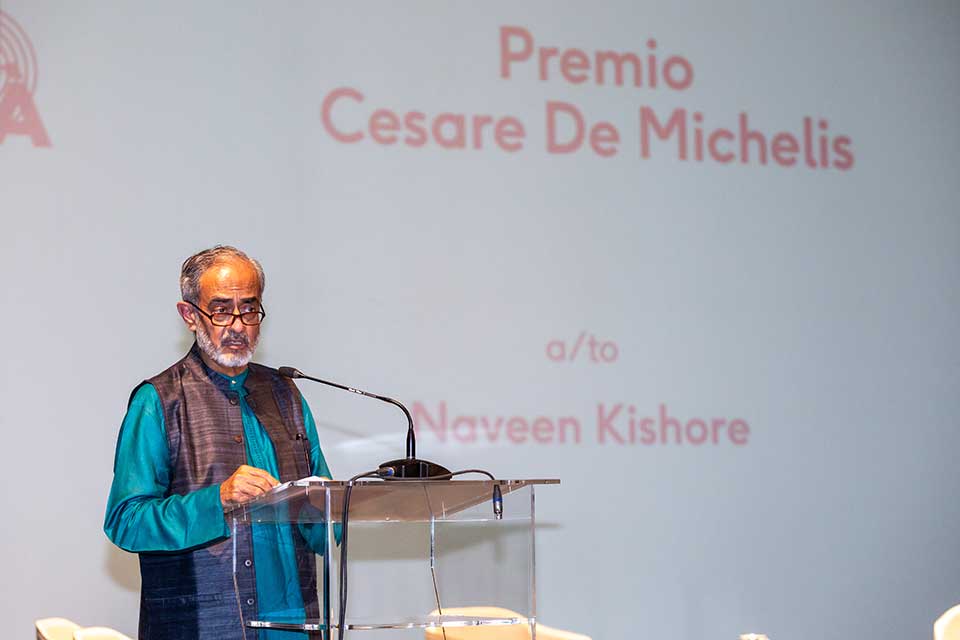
(190,594)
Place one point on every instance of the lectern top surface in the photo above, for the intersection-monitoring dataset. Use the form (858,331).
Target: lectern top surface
(316,500)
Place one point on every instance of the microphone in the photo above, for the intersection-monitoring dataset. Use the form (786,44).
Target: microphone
(408,467)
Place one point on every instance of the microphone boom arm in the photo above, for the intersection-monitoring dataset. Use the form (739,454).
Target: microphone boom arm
(406,468)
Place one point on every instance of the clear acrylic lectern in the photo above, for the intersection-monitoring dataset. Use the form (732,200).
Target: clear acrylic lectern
(418,551)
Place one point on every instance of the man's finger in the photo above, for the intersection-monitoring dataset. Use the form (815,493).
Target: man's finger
(240,491)
(246,492)
(264,483)
(254,471)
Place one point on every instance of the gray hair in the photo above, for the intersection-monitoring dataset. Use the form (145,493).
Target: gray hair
(196,265)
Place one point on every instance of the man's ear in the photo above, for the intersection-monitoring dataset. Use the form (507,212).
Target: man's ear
(188,314)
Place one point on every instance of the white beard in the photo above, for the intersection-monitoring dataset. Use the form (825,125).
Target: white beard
(226,357)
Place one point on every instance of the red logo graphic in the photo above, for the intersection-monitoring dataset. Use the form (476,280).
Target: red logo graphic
(18,82)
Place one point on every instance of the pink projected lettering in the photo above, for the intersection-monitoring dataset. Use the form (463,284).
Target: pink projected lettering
(587,345)
(603,136)
(18,83)
(783,148)
(326,114)
(686,134)
(616,424)
(387,127)
(744,143)
(467,429)
(576,66)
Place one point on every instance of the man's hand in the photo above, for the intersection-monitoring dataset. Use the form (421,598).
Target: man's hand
(244,485)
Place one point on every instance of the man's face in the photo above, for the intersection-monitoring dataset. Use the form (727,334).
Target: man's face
(229,286)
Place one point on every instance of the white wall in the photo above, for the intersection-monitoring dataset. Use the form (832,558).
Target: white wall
(816,305)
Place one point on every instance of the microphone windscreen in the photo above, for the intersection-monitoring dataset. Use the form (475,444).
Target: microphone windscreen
(289,372)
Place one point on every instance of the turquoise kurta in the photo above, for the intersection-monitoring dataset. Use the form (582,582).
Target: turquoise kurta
(140,519)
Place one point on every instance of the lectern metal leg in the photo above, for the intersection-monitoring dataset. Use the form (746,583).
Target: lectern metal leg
(533,564)
(328,553)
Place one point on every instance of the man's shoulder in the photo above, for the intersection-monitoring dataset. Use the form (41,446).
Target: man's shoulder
(163,382)
(143,395)
(174,370)
(147,387)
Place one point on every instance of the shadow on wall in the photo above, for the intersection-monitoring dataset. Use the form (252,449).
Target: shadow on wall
(122,567)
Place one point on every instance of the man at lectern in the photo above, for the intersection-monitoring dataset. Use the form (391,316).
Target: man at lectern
(212,431)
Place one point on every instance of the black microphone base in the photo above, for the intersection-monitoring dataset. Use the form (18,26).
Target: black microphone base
(412,468)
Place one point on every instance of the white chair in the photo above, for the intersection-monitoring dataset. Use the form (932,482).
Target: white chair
(947,626)
(495,632)
(55,629)
(99,633)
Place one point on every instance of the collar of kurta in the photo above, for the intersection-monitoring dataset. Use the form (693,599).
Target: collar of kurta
(224,383)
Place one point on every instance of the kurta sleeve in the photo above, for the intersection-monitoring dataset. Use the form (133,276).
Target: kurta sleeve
(320,467)
(140,516)
(315,534)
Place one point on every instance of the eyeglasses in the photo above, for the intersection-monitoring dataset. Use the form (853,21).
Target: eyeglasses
(249,318)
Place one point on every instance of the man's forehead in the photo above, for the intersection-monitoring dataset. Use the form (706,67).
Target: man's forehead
(229,278)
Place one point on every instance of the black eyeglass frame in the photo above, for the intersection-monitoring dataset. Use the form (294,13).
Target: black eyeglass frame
(261,314)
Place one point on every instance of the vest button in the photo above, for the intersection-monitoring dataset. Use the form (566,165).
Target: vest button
(247,563)
(250,601)
(238,439)
(233,401)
